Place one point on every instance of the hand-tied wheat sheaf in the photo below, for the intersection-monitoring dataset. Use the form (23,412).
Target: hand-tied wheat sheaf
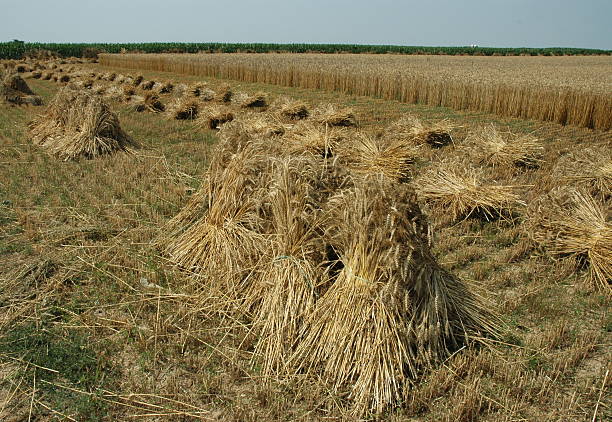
(149,102)
(555,89)
(455,191)
(589,169)
(367,155)
(14,90)
(291,109)
(332,265)
(491,147)
(77,124)
(570,223)
(391,309)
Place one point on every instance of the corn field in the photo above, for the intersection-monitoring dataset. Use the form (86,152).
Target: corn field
(564,90)
(16,49)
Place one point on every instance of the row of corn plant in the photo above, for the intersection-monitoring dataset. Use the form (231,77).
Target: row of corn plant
(16,49)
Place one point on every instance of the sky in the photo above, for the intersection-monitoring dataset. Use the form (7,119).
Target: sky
(490,23)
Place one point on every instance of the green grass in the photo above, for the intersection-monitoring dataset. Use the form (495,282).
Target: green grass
(60,362)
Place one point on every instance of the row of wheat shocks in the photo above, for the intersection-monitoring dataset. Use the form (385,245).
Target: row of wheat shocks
(376,384)
(491,200)
(560,105)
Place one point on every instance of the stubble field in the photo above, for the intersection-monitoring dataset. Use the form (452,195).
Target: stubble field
(98,322)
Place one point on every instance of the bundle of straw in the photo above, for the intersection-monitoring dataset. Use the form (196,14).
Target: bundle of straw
(285,286)
(78,124)
(589,169)
(14,97)
(128,90)
(320,140)
(147,85)
(224,94)
(391,310)
(225,243)
(291,109)
(253,128)
(163,87)
(258,99)
(330,115)
(16,83)
(455,191)
(14,90)
(411,129)
(184,108)
(335,270)
(87,83)
(198,89)
(180,90)
(392,158)
(207,94)
(494,148)
(77,85)
(116,93)
(569,223)
(213,117)
(150,102)
(257,125)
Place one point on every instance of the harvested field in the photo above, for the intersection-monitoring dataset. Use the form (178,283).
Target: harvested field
(565,90)
(282,268)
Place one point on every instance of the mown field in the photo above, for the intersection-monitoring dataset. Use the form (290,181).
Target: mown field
(97,323)
(565,90)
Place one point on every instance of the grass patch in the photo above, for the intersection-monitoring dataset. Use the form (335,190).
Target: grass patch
(54,356)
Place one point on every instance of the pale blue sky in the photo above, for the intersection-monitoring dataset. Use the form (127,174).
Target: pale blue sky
(492,23)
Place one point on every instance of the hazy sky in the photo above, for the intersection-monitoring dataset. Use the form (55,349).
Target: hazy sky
(495,23)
